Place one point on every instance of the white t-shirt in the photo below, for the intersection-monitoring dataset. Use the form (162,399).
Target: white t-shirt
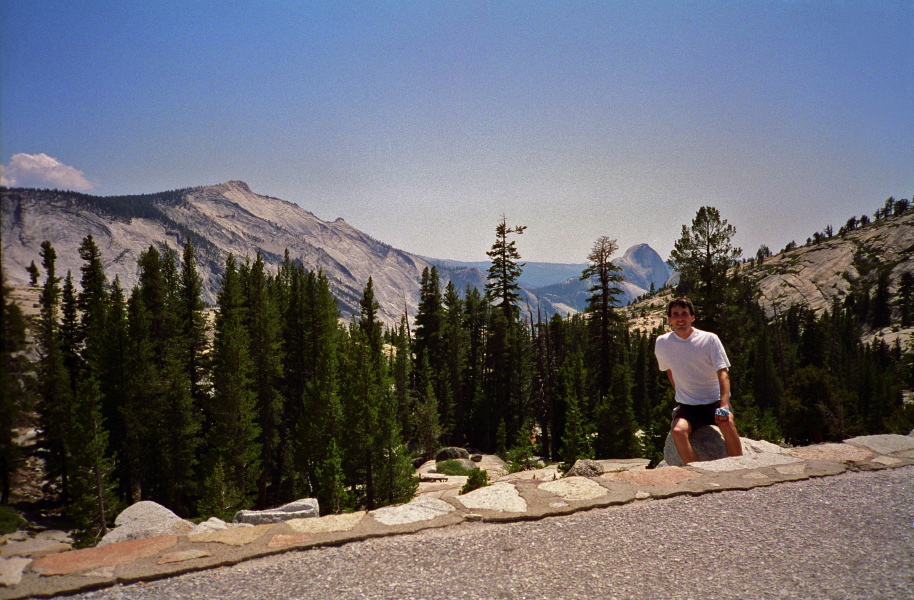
(695,362)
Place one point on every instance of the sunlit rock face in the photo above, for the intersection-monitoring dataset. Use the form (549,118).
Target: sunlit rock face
(817,275)
(219,219)
(230,218)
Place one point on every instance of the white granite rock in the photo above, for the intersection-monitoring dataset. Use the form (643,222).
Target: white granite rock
(11,570)
(215,524)
(417,509)
(145,519)
(747,461)
(708,443)
(502,497)
(575,488)
(306,508)
(883,444)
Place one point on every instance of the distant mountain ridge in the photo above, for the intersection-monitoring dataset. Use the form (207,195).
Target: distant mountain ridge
(229,217)
(218,219)
(557,287)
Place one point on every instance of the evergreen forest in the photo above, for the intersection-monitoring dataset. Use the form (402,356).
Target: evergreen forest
(148,394)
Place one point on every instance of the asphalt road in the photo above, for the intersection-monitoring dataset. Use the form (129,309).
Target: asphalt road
(849,536)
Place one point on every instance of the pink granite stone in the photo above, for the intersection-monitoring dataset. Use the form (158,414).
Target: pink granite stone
(240,536)
(283,539)
(660,477)
(120,553)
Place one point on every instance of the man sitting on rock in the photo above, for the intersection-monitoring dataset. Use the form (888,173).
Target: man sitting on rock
(697,367)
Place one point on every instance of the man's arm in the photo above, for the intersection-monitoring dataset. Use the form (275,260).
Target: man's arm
(723,379)
(669,375)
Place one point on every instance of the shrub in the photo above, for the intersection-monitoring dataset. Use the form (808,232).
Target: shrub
(453,467)
(478,478)
(10,520)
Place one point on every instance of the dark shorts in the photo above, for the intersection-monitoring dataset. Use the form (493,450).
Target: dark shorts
(697,415)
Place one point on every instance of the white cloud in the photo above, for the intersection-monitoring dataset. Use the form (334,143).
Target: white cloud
(41,170)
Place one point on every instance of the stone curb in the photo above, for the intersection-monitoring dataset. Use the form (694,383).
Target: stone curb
(504,501)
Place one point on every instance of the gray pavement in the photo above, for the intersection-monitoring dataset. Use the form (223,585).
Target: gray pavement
(846,536)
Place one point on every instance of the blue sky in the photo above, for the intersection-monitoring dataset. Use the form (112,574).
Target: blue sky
(421,123)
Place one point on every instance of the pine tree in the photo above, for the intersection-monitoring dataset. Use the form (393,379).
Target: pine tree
(544,386)
(475,322)
(70,336)
(94,499)
(502,287)
(430,344)
(193,327)
(16,381)
(171,425)
(881,308)
(615,418)
(402,371)
(332,495)
(34,274)
(312,338)
(113,380)
(142,411)
(905,298)
(221,496)
(55,392)
(702,255)
(379,463)
(508,366)
(575,437)
(369,323)
(361,388)
(455,339)
(427,425)
(262,318)
(232,439)
(604,323)
(92,301)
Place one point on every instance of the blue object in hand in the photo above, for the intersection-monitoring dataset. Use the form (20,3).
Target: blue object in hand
(722,412)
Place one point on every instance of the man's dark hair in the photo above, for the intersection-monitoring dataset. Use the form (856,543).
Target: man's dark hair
(680,303)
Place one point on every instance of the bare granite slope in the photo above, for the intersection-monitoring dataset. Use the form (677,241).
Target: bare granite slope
(220,219)
(818,274)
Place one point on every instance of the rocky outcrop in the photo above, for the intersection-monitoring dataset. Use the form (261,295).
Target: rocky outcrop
(451,453)
(146,519)
(221,219)
(818,274)
(305,508)
(584,468)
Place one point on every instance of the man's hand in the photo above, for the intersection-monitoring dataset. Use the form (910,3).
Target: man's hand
(723,415)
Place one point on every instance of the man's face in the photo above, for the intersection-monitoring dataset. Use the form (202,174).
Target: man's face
(681,320)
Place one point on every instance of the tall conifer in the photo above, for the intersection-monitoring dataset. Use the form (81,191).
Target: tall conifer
(54,388)
(604,322)
(233,437)
(92,301)
(16,381)
(262,319)
(95,502)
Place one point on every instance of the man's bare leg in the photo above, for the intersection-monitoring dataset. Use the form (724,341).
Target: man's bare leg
(731,437)
(681,430)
